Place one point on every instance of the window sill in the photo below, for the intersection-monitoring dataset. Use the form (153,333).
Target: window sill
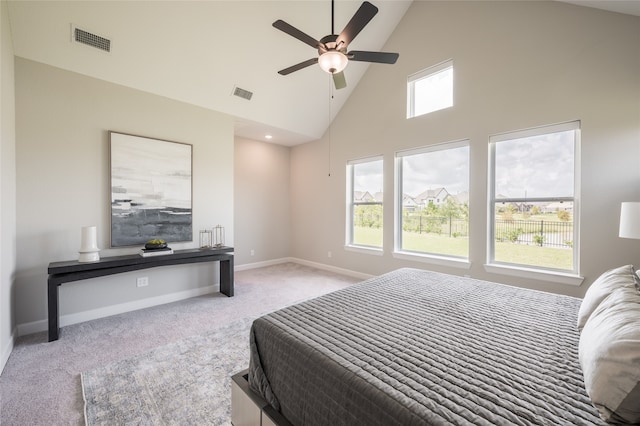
(366,250)
(433,259)
(536,274)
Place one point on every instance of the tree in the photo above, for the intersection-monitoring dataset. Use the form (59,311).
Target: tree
(450,208)
(507,215)
(369,216)
(464,211)
(431,210)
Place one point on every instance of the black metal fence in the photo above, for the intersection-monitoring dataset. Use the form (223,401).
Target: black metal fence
(543,233)
(450,226)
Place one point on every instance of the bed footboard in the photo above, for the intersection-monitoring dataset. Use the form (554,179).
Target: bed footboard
(248,408)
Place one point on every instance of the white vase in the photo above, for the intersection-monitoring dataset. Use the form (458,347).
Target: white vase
(89,251)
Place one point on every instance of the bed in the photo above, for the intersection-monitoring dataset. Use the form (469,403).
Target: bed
(415,347)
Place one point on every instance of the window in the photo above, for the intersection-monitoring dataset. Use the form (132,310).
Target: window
(430,90)
(364,202)
(533,219)
(433,203)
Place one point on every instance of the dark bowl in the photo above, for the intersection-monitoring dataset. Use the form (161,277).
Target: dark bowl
(150,246)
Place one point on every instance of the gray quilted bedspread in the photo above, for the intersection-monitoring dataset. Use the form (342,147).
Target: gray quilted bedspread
(414,347)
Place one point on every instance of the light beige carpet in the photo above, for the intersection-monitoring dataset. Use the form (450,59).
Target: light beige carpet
(40,384)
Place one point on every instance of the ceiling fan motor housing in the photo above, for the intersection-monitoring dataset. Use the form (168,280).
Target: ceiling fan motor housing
(328,43)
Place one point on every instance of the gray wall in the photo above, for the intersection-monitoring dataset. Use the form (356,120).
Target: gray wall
(262,217)
(516,65)
(62,124)
(7,187)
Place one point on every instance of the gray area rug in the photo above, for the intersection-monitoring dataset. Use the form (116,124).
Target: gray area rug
(187,382)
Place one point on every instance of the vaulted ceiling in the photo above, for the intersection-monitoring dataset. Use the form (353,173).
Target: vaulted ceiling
(199,51)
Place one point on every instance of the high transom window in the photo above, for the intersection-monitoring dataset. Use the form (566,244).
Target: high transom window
(430,90)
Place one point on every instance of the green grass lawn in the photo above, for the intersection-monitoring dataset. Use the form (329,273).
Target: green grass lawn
(440,244)
(367,236)
(547,257)
(436,244)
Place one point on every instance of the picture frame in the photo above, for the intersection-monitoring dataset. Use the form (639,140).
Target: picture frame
(151,190)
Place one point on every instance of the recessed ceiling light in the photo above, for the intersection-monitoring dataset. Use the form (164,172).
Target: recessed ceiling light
(268,137)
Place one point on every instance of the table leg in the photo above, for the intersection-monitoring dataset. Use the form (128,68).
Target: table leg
(54,329)
(226,276)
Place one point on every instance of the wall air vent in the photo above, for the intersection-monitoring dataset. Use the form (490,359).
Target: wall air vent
(241,93)
(85,37)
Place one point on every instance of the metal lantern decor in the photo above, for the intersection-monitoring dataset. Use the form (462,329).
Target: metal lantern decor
(218,236)
(206,238)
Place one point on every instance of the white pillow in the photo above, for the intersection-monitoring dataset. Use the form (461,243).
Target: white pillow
(609,354)
(624,276)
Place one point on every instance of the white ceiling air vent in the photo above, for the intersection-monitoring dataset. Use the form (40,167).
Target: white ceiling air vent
(79,35)
(241,93)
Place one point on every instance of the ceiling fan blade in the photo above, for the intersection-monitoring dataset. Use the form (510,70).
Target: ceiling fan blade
(299,66)
(363,15)
(339,81)
(294,32)
(379,57)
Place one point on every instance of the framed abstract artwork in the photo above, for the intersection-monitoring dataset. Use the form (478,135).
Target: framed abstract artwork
(151,190)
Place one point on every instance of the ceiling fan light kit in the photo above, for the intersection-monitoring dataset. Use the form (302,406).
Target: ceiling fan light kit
(333,61)
(332,49)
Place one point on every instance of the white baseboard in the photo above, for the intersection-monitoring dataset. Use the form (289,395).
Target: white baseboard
(337,270)
(255,265)
(347,272)
(42,325)
(6,351)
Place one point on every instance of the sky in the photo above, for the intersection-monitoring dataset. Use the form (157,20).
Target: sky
(436,169)
(447,169)
(537,166)
(368,177)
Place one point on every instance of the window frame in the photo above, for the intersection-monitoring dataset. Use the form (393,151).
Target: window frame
(423,74)
(349,228)
(565,276)
(436,258)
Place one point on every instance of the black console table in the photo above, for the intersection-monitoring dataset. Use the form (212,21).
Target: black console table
(68,271)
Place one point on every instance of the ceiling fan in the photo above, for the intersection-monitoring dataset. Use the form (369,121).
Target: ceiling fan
(332,49)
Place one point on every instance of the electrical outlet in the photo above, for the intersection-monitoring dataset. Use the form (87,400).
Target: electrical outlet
(329,254)
(142,282)
(253,252)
